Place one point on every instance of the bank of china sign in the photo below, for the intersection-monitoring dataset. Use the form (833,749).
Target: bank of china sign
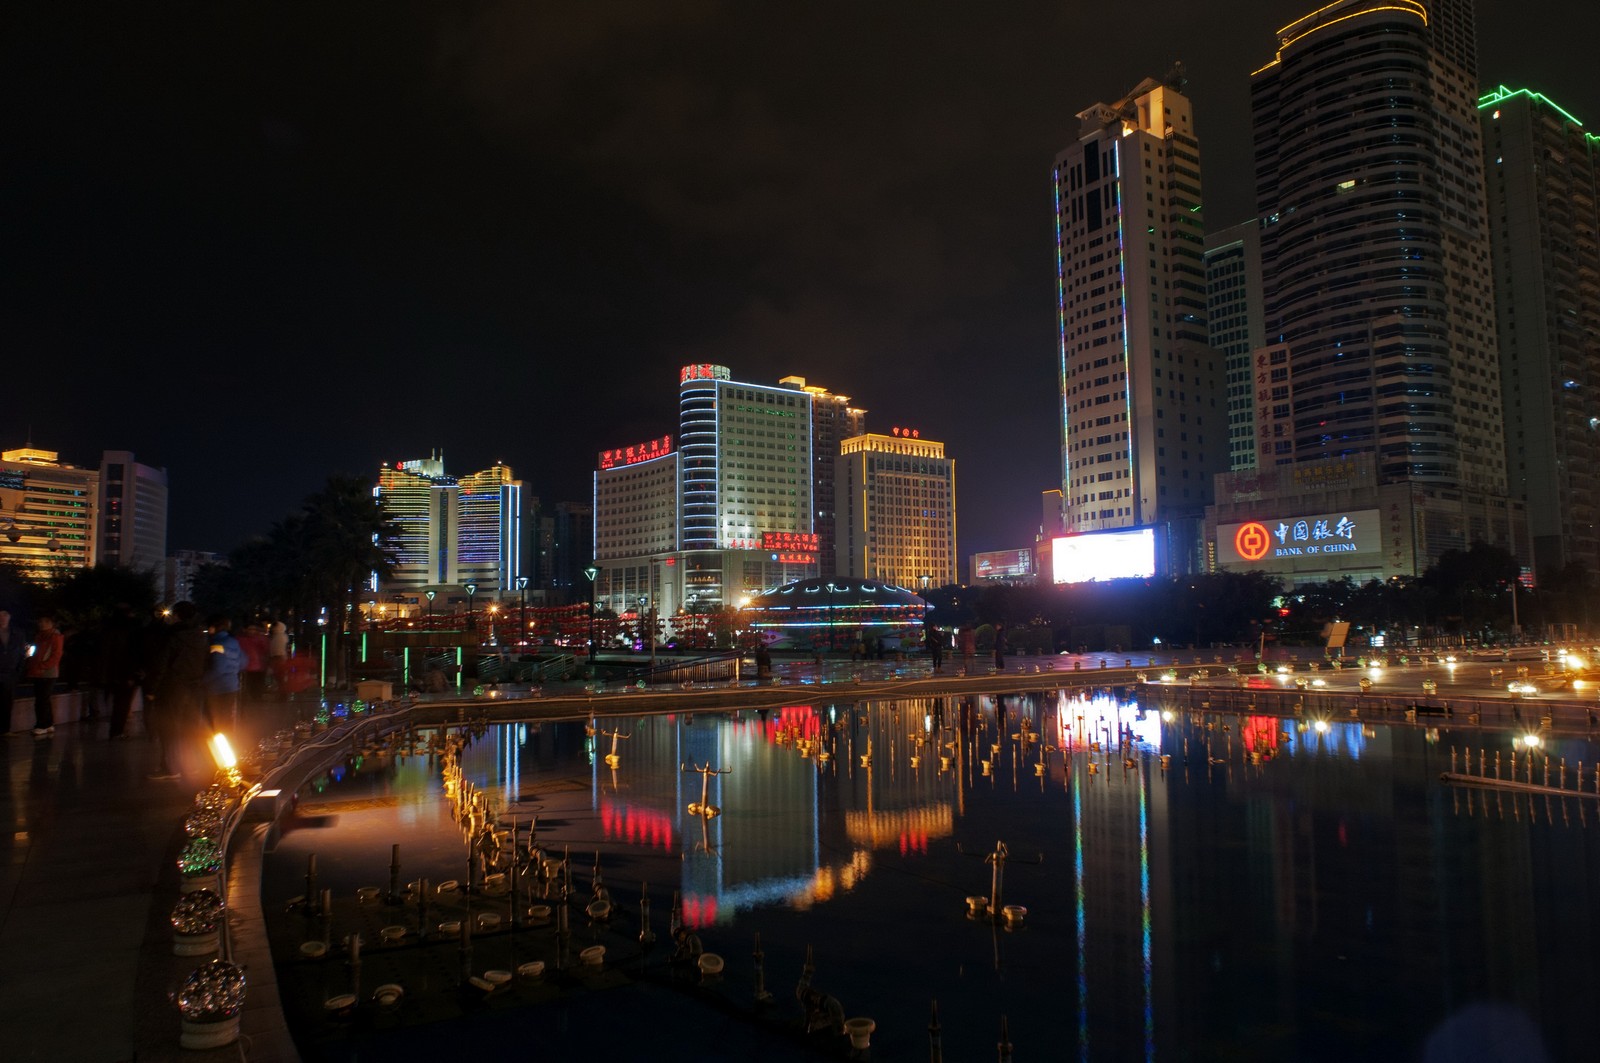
(1325,535)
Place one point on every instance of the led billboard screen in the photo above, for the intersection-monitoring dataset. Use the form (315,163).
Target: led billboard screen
(1002,564)
(1322,535)
(1104,555)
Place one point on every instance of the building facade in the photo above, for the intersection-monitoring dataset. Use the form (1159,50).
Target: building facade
(897,510)
(746,459)
(1143,417)
(1237,328)
(133,514)
(833,420)
(1378,292)
(452,532)
(637,533)
(49,513)
(1543,181)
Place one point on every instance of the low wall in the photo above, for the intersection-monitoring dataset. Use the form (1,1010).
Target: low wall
(69,706)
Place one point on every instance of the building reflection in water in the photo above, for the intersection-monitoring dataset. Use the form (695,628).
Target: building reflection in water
(1304,887)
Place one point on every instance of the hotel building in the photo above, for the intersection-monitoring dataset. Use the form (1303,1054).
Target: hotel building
(833,420)
(48,513)
(897,510)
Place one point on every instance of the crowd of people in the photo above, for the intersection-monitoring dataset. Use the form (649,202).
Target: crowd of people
(190,676)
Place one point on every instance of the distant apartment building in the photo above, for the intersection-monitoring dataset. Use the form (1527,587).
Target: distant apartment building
(49,513)
(637,510)
(133,514)
(180,570)
(452,531)
(897,510)
(1543,181)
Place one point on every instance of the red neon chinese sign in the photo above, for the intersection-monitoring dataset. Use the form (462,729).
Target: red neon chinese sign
(909,433)
(655,448)
(790,541)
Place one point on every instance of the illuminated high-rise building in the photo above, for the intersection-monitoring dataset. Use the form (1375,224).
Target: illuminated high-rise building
(637,530)
(1543,178)
(897,510)
(452,531)
(833,420)
(1143,422)
(133,514)
(746,460)
(49,518)
(1378,291)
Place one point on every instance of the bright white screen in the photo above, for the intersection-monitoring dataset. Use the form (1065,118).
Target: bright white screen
(1104,555)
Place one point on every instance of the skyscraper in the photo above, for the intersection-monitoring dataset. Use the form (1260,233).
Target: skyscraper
(1543,175)
(1143,421)
(897,510)
(1378,294)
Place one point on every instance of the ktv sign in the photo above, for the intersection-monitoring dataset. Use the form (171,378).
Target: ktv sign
(1324,536)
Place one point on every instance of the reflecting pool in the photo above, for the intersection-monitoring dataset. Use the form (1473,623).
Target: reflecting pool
(1202,886)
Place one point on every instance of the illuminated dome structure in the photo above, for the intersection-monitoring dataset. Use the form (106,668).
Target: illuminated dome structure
(836,613)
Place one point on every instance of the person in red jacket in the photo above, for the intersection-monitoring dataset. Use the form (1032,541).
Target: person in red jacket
(43,669)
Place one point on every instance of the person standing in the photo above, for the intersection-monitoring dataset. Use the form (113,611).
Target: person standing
(120,665)
(43,669)
(999,647)
(224,660)
(177,682)
(278,654)
(13,652)
(253,643)
(935,641)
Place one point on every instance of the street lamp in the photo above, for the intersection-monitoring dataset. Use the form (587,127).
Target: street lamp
(429,595)
(522,610)
(472,589)
(592,573)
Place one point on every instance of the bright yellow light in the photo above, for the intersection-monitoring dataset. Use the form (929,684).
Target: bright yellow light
(222,752)
(1321,727)
(1531,740)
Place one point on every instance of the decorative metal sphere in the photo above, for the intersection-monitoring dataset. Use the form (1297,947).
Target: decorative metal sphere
(198,912)
(216,797)
(213,992)
(203,823)
(200,857)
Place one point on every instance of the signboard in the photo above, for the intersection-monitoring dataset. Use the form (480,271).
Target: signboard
(791,541)
(648,451)
(1002,564)
(1099,556)
(703,372)
(1321,535)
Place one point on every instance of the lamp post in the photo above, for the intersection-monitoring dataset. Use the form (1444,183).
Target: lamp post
(592,573)
(471,589)
(522,611)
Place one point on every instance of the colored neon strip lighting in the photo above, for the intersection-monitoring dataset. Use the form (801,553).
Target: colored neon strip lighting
(1083,958)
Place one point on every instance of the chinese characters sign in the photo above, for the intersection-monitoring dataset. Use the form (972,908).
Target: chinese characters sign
(808,542)
(1321,535)
(702,372)
(655,448)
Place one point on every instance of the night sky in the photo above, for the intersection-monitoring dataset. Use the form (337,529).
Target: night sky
(261,243)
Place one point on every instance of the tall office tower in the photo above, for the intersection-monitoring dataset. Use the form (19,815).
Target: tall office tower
(452,531)
(179,573)
(833,420)
(1237,328)
(1544,184)
(1143,421)
(637,492)
(1379,299)
(48,521)
(897,510)
(133,514)
(746,462)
